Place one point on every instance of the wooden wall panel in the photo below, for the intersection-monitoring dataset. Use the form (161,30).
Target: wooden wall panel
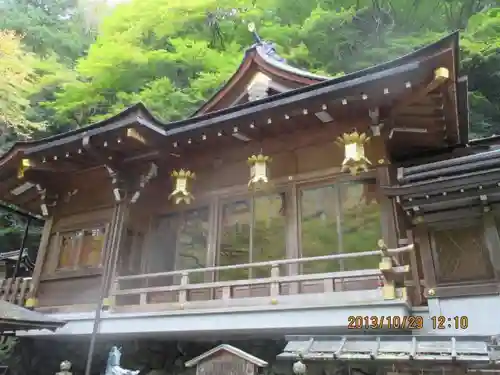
(223,170)
(92,190)
(75,291)
(219,171)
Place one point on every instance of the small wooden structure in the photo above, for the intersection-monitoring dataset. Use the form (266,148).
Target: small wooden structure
(226,360)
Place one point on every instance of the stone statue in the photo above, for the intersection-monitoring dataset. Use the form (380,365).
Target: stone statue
(113,365)
(65,368)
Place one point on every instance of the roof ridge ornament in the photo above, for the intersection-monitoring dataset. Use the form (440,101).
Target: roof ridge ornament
(253,30)
(267,48)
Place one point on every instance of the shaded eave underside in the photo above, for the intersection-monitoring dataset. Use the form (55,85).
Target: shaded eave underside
(139,111)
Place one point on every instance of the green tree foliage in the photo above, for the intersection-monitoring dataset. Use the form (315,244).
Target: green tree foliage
(173,55)
(17,79)
(49,26)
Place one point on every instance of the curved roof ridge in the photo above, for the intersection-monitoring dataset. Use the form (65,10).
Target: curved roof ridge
(139,108)
(267,51)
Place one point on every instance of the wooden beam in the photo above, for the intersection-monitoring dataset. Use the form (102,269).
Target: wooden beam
(40,259)
(441,75)
(32,165)
(134,135)
(421,235)
(98,155)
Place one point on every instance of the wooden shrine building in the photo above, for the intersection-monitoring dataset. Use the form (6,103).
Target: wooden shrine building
(289,203)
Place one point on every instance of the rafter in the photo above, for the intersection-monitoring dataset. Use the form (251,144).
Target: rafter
(441,75)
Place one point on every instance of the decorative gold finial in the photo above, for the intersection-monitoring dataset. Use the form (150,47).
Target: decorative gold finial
(354,150)
(23,167)
(251,27)
(181,192)
(259,170)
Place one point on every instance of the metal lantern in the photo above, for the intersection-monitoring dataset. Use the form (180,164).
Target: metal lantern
(259,170)
(354,152)
(181,192)
(25,165)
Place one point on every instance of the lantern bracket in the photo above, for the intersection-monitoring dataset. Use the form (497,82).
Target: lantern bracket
(48,199)
(118,183)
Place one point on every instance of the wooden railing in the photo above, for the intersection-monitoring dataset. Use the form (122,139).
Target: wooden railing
(15,290)
(179,293)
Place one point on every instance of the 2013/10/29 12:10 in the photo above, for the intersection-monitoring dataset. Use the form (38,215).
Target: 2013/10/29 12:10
(449,322)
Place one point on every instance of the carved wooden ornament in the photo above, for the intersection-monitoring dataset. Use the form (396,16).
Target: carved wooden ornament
(354,152)
(259,170)
(226,360)
(181,192)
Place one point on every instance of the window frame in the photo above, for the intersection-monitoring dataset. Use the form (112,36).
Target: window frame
(276,189)
(181,212)
(55,249)
(183,215)
(442,282)
(291,186)
(337,179)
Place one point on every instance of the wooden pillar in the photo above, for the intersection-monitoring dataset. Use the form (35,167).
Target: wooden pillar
(212,240)
(293,241)
(422,238)
(40,260)
(388,211)
(381,161)
(118,226)
(113,245)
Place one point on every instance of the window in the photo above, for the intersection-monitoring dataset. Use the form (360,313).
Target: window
(339,218)
(130,255)
(80,249)
(460,255)
(181,243)
(192,243)
(252,230)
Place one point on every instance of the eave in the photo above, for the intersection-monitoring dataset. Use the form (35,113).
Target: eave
(386,86)
(456,189)
(402,351)
(77,150)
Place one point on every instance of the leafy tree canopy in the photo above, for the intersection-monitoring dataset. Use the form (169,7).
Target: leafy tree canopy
(173,54)
(17,80)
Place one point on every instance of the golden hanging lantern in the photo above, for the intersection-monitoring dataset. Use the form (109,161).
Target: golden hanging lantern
(354,152)
(181,192)
(25,165)
(259,170)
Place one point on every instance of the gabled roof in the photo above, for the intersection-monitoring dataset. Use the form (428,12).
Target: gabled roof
(260,57)
(230,349)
